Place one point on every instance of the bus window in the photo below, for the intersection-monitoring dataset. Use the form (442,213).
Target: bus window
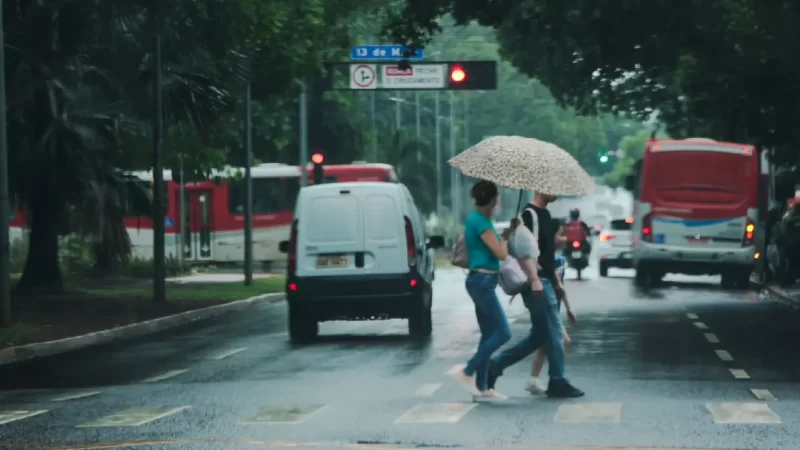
(270,195)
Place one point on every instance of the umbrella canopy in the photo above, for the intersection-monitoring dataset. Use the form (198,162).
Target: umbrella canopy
(524,163)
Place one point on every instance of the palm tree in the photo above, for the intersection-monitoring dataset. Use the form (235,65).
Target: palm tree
(414,162)
(77,84)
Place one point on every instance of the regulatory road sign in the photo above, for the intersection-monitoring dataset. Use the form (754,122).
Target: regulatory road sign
(416,76)
(383,52)
(363,76)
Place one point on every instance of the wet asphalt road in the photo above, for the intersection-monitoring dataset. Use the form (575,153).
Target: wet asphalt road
(649,363)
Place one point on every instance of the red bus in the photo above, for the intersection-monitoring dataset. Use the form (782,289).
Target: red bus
(214,211)
(697,204)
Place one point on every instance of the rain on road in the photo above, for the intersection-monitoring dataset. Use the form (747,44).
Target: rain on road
(684,365)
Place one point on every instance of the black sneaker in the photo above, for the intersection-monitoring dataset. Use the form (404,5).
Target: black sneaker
(562,389)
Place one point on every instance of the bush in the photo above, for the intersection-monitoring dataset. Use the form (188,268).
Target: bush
(143,268)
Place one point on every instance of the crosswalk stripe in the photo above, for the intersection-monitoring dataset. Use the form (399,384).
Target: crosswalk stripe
(588,413)
(436,413)
(286,414)
(75,396)
(724,355)
(427,389)
(134,417)
(165,375)
(763,394)
(13,416)
(742,413)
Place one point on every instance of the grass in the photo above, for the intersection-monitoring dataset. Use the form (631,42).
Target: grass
(217,292)
(18,334)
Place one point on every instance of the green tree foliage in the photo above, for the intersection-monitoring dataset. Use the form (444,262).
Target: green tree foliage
(708,68)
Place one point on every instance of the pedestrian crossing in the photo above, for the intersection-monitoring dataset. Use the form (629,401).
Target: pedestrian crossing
(412,410)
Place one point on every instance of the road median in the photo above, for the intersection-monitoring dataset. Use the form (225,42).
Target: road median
(103,312)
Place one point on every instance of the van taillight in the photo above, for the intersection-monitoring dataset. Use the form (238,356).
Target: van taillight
(292,264)
(411,248)
(647,228)
(749,232)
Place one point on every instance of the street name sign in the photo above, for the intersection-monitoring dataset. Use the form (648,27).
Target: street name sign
(383,52)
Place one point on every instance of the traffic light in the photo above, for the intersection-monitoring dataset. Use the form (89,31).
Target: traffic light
(318,174)
(602,155)
(472,76)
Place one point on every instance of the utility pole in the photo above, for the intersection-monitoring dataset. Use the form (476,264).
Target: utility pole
(5,207)
(248,180)
(438,158)
(373,130)
(159,251)
(398,114)
(183,244)
(452,155)
(303,119)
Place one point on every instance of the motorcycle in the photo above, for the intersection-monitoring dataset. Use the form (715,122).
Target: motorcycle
(577,257)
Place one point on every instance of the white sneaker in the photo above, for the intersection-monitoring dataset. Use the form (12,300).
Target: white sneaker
(489,396)
(467,381)
(535,387)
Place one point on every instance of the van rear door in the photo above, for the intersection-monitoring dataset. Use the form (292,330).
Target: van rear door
(350,230)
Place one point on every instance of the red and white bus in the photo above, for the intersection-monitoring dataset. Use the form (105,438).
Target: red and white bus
(697,208)
(214,211)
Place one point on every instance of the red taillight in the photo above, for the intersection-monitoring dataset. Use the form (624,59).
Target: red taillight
(647,228)
(605,237)
(749,232)
(293,286)
(413,282)
(291,266)
(576,244)
(411,248)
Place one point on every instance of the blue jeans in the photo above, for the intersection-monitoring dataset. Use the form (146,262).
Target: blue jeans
(545,332)
(492,322)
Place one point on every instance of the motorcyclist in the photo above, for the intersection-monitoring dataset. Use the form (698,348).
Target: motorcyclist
(577,230)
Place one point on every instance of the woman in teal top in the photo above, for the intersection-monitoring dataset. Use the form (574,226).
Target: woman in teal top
(485,249)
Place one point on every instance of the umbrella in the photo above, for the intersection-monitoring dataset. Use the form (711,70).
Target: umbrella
(524,163)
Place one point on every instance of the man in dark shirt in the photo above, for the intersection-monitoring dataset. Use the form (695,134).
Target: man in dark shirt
(541,300)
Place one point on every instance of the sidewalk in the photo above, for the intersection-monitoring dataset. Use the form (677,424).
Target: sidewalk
(787,295)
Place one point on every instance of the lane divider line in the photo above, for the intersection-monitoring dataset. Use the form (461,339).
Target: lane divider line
(692,316)
(228,353)
(701,325)
(739,374)
(763,394)
(77,396)
(712,338)
(724,355)
(165,375)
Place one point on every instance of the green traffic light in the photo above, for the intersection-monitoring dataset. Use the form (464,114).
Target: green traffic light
(604,159)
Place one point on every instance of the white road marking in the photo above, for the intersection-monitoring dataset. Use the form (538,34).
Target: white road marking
(763,394)
(691,316)
(453,370)
(165,375)
(712,338)
(427,389)
(724,355)
(228,353)
(436,413)
(701,325)
(286,415)
(12,416)
(134,417)
(739,374)
(589,412)
(74,396)
(742,413)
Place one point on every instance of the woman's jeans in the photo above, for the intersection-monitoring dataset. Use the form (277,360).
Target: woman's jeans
(492,322)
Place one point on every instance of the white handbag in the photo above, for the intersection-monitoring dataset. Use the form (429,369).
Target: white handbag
(511,278)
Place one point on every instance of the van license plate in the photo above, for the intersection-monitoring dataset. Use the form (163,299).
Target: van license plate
(332,261)
(576,255)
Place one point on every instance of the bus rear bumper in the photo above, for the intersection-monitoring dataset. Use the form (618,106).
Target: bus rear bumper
(691,261)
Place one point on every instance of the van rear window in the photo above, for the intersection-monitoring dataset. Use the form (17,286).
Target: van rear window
(621,225)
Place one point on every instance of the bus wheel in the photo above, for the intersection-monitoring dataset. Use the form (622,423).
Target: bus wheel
(728,281)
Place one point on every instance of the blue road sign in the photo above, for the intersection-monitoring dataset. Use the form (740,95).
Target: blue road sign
(382,52)
(168,223)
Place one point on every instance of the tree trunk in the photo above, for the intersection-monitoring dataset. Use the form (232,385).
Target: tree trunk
(42,270)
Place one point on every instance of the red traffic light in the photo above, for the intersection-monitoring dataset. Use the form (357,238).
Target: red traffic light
(317,158)
(457,73)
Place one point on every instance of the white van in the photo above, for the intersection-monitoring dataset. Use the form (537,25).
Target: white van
(358,251)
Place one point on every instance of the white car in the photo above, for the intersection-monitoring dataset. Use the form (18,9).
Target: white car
(614,247)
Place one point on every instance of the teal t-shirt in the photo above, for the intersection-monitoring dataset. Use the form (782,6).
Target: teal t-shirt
(480,256)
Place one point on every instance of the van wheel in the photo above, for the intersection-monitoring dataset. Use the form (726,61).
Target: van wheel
(420,321)
(643,278)
(302,326)
(603,270)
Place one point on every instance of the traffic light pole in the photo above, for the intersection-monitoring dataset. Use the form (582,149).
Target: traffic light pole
(159,250)
(438,159)
(5,207)
(453,193)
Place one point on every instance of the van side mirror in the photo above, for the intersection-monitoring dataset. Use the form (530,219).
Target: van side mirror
(630,183)
(283,246)
(435,242)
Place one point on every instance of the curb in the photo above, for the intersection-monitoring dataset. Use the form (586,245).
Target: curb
(775,293)
(26,352)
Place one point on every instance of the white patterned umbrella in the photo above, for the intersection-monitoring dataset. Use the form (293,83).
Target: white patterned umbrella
(524,163)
